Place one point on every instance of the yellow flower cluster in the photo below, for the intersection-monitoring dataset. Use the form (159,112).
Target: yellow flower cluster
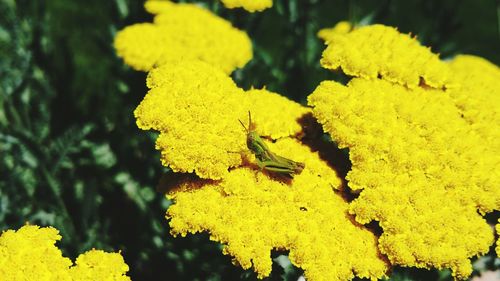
(381,51)
(411,151)
(179,32)
(342,27)
(196,108)
(30,254)
(415,144)
(249,5)
(99,265)
(252,213)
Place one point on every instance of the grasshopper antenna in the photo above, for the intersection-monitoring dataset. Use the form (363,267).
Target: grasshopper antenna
(250,127)
(250,124)
(243,125)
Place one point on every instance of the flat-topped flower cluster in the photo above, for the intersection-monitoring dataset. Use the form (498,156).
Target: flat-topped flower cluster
(30,254)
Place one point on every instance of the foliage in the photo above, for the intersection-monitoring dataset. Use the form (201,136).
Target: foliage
(73,158)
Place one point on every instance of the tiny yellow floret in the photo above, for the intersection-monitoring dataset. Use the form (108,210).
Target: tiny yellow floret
(252,213)
(381,51)
(182,32)
(249,5)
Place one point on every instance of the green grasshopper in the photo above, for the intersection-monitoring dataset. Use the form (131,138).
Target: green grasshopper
(266,159)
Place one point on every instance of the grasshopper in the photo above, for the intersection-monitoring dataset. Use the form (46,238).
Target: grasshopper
(266,159)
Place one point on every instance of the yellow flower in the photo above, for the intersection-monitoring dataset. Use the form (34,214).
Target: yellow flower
(30,254)
(381,51)
(249,5)
(422,170)
(342,27)
(99,265)
(196,108)
(252,214)
(181,32)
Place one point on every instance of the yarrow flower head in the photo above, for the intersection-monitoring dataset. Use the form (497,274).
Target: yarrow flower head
(413,147)
(30,254)
(249,5)
(196,108)
(182,32)
(377,50)
(251,214)
(99,265)
(411,151)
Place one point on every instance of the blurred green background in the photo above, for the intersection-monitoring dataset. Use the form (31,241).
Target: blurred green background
(72,157)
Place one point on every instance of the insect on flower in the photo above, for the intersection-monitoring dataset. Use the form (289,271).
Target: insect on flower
(266,159)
